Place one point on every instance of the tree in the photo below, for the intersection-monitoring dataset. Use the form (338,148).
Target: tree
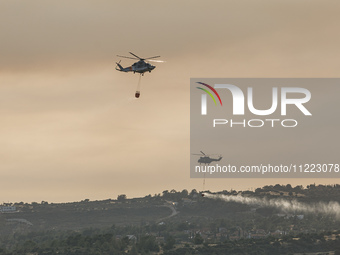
(121,198)
(134,250)
(170,242)
(288,187)
(193,192)
(198,239)
(184,193)
(147,243)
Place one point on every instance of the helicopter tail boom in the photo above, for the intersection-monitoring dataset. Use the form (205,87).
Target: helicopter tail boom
(122,69)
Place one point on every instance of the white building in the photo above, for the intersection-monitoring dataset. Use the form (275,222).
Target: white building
(5,209)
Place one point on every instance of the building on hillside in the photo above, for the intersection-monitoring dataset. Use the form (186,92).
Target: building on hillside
(7,209)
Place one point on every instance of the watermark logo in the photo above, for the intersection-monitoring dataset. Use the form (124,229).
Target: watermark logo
(239,99)
(204,97)
(265,127)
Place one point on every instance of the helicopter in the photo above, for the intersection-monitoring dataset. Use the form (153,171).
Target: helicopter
(205,159)
(140,67)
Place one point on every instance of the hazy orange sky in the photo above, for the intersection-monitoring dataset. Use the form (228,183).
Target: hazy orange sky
(70,126)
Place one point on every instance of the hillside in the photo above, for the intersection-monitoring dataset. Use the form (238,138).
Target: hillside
(181,218)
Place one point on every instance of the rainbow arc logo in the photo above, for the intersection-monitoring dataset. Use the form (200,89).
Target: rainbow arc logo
(209,93)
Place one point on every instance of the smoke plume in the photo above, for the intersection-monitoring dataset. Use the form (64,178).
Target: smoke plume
(293,206)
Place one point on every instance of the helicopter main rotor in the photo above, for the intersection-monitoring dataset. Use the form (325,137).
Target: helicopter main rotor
(142,59)
(206,155)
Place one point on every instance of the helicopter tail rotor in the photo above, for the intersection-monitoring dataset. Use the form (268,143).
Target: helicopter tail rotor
(120,67)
